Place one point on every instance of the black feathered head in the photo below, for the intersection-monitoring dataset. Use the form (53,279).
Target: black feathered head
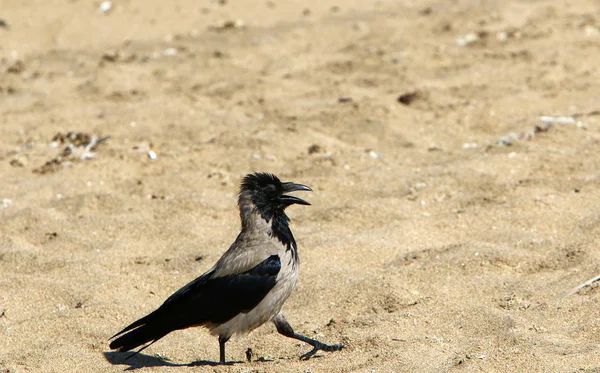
(267,194)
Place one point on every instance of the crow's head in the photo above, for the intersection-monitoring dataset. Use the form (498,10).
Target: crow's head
(266,193)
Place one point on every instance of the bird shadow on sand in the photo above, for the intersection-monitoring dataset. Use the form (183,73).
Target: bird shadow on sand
(141,360)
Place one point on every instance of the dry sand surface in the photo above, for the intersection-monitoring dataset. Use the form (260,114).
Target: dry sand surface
(444,228)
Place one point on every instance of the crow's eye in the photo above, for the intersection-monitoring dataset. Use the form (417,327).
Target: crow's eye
(271,190)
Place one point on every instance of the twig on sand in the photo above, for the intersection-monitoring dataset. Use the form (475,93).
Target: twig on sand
(581,286)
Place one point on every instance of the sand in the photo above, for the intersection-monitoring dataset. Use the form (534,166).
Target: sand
(444,227)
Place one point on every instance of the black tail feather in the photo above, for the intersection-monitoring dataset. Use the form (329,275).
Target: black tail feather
(147,329)
(134,325)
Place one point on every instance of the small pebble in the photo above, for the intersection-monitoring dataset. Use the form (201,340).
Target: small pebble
(508,139)
(227,25)
(314,148)
(18,161)
(420,186)
(408,97)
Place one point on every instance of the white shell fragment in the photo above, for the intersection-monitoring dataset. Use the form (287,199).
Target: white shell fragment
(105,7)
(5,202)
(469,38)
(562,120)
(373,154)
(170,52)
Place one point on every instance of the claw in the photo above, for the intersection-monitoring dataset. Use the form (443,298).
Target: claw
(322,347)
(309,354)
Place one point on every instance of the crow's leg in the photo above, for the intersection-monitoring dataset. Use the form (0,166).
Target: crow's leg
(283,327)
(222,341)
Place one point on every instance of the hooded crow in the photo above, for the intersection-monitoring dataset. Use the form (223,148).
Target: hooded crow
(249,283)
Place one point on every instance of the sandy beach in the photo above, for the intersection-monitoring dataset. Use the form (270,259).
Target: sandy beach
(448,218)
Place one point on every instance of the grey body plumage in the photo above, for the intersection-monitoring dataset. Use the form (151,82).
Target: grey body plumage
(247,286)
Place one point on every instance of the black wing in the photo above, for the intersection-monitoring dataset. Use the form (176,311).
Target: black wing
(219,299)
(207,299)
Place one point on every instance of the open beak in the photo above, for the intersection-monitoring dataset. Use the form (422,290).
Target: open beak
(290,200)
